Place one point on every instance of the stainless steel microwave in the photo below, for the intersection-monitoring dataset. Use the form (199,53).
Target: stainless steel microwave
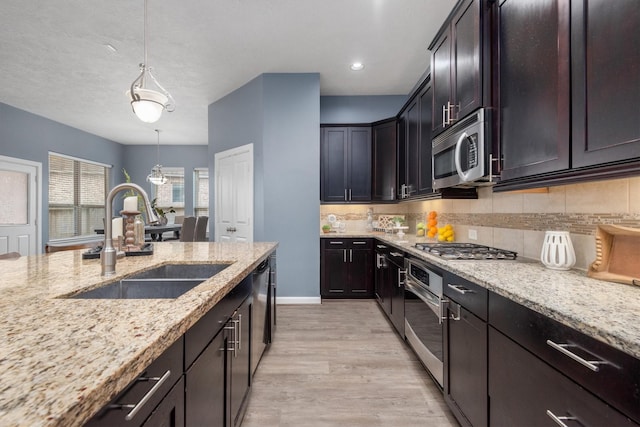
(462,154)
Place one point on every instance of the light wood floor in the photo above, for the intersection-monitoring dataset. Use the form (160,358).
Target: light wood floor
(341,364)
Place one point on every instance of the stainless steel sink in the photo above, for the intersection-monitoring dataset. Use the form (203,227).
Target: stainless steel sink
(166,281)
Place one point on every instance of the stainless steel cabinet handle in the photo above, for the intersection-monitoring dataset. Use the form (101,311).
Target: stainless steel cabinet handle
(559,420)
(444,120)
(396,254)
(461,289)
(345,195)
(379,260)
(350,198)
(336,242)
(359,243)
(401,271)
(233,340)
(239,331)
(381,246)
(455,315)
(344,255)
(350,255)
(145,398)
(562,348)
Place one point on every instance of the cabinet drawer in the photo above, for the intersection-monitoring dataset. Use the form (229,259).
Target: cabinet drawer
(468,294)
(337,243)
(524,390)
(614,376)
(162,373)
(200,334)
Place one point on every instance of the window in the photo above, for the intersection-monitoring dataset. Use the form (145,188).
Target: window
(77,193)
(201,191)
(171,194)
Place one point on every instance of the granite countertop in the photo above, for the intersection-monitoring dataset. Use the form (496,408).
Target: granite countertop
(606,311)
(61,359)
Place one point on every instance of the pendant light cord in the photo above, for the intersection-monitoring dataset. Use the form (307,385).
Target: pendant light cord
(146,63)
(158,147)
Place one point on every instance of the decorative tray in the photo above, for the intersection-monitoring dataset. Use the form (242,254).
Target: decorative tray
(617,255)
(146,249)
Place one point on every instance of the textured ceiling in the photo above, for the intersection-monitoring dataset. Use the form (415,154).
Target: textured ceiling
(54,61)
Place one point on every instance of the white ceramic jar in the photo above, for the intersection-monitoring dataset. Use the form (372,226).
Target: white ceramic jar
(557,251)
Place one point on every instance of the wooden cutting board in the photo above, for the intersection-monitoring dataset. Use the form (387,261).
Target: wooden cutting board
(617,255)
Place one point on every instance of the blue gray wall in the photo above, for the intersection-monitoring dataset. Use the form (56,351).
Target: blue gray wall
(359,109)
(30,137)
(139,159)
(280,115)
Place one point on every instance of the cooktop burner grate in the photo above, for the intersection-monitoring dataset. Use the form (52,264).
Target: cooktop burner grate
(466,251)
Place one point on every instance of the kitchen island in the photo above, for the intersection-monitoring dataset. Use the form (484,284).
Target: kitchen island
(63,359)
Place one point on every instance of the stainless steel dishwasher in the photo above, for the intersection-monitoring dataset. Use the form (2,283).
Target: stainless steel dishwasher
(260,316)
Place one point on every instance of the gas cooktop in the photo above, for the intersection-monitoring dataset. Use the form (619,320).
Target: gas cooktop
(465,251)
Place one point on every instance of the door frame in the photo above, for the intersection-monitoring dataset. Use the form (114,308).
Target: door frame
(224,154)
(37,194)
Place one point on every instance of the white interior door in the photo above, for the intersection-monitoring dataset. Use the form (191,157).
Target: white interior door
(234,195)
(20,184)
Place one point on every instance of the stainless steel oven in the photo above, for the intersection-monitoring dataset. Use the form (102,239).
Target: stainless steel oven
(424,308)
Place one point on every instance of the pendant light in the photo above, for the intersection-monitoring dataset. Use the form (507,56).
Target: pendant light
(146,102)
(156,176)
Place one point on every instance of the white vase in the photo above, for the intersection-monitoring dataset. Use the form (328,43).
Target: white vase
(557,251)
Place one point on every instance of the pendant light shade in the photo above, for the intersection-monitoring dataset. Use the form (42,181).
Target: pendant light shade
(156,176)
(148,98)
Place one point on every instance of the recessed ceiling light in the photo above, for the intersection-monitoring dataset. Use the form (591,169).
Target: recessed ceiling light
(357,66)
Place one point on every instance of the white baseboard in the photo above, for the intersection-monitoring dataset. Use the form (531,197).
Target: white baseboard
(298,300)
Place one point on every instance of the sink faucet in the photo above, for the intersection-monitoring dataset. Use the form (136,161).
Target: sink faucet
(108,254)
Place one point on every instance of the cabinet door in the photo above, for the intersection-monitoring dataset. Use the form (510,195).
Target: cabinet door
(384,165)
(465,59)
(524,390)
(397,275)
(335,273)
(239,362)
(334,165)
(534,85)
(605,53)
(401,159)
(466,366)
(441,80)
(383,283)
(170,412)
(413,147)
(359,164)
(205,397)
(425,175)
(361,273)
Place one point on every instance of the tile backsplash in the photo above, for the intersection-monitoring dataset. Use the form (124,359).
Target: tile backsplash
(518,220)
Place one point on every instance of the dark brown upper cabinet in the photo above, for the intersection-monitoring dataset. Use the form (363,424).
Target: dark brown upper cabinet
(605,75)
(534,86)
(569,84)
(345,168)
(461,53)
(383,175)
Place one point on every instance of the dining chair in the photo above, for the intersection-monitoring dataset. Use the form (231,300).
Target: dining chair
(188,230)
(201,229)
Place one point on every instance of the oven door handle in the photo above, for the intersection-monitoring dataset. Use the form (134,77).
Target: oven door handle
(433,302)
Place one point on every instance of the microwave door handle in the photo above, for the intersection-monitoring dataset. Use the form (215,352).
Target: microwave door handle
(456,157)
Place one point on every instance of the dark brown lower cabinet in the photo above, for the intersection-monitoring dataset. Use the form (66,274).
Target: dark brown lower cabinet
(346,268)
(465,351)
(466,369)
(170,412)
(524,390)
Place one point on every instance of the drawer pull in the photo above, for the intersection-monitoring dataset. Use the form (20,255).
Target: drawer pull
(336,243)
(359,243)
(562,348)
(461,289)
(560,420)
(381,246)
(136,408)
(396,254)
